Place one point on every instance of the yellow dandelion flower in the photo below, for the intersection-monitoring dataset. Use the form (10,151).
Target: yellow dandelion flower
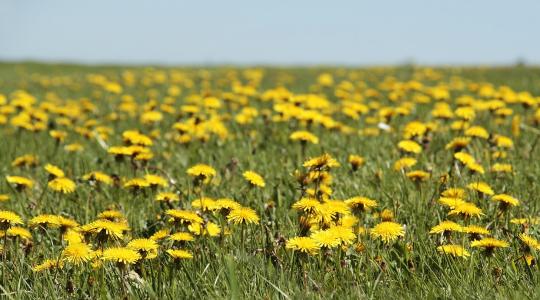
(386,215)
(481,187)
(26,160)
(106,227)
(348,221)
(356,161)
(404,163)
(9,218)
(303,244)
(418,175)
(48,264)
(477,131)
(77,253)
(501,168)
(345,234)
(503,142)
(134,137)
(499,154)
(111,215)
(167,197)
(458,143)
(529,259)
(54,171)
(454,250)
(147,248)
(464,158)
(136,150)
(159,235)
(150,117)
(453,193)
(466,209)
(121,255)
(322,162)
(476,167)
(414,129)
(73,236)
(156,180)
(387,231)
(327,215)
(505,200)
(410,146)
(476,230)
(336,207)
(20,182)
(45,221)
(323,177)
(446,226)
(210,229)
(75,147)
(58,135)
(489,244)
(179,254)
(204,203)
(304,136)
(325,238)
(243,215)
(451,202)
(98,177)
(529,241)
(183,216)
(225,203)
(62,185)
(201,170)
(254,179)
(308,205)
(19,232)
(361,203)
(120,151)
(324,191)
(136,183)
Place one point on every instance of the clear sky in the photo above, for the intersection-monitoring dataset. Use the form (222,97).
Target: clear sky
(271,32)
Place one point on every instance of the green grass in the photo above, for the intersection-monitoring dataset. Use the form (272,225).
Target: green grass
(263,268)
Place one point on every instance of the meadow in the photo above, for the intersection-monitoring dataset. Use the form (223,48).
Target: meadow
(269,183)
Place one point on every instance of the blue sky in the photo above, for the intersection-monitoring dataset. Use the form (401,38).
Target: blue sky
(270,32)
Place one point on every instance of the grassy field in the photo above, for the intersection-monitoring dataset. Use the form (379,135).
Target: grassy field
(124,182)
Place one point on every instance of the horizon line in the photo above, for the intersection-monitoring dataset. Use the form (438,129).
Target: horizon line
(200,64)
